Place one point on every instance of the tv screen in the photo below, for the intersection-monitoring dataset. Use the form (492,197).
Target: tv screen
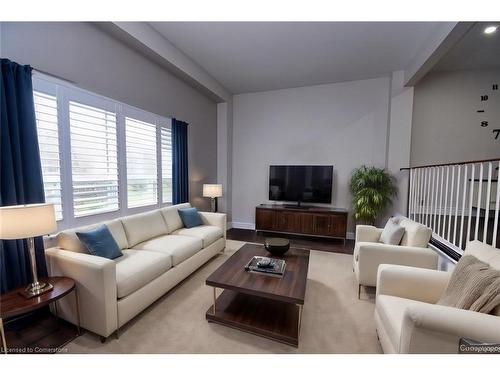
(301,183)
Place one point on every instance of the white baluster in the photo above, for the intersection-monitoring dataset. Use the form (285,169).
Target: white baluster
(431,196)
(411,209)
(479,193)
(487,204)
(447,192)
(497,207)
(471,194)
(440,201)
(463,207)
(427,191)
(448,234)
(456,206)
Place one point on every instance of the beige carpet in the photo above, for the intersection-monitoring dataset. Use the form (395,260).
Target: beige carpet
(334,320)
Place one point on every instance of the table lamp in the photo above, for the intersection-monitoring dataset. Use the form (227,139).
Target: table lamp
(212,191)
(26,222)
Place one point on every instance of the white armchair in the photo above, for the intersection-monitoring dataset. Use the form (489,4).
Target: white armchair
(408,319)
(369,253)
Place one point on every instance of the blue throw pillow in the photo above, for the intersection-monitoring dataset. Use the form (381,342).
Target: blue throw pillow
(190,217)
(100,242)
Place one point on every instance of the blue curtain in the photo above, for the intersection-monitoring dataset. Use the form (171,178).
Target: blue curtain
(20,169)
(180,179)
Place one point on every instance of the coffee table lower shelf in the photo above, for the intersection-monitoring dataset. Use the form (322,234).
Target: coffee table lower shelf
(272,319)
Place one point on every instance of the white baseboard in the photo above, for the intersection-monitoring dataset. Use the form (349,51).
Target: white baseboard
(239,225)
(251,226)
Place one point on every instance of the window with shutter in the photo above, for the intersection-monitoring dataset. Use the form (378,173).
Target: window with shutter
(48,141)
(94,161)
(142,168)
(166,164)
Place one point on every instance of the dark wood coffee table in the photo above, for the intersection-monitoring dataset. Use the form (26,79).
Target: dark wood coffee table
(263,305)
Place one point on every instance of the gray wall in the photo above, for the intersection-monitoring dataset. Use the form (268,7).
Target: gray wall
(446,127)
(344,124)
(85,55)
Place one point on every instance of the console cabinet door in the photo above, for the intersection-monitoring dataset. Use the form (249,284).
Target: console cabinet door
(338,225)
(306,223)
(265,219)
(286,221)
(321,224)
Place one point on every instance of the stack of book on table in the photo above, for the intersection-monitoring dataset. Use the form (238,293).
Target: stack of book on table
(266,266)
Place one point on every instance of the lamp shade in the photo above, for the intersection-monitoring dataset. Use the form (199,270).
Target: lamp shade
(212,190)
(24,221)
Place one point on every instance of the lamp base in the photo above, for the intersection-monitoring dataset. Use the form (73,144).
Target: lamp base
(35,289)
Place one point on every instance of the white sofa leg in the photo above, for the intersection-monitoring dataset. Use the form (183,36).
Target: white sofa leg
(359,291)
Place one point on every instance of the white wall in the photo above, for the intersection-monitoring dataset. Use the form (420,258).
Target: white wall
(85,55)
(398,149)
(225,155)
(344,124)
(446,127)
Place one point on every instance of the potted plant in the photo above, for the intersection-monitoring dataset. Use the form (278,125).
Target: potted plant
(372,191)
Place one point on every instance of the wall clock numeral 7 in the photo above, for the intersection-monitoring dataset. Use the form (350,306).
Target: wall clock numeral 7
(496,132)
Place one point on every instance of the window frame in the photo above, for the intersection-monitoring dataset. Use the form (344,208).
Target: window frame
(66,92)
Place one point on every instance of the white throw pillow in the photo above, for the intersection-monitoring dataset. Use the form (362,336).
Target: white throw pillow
(392,233)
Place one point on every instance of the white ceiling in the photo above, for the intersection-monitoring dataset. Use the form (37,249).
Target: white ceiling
(476,50)
(260,56)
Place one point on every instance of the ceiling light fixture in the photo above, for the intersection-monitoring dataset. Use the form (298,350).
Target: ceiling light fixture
(490,29)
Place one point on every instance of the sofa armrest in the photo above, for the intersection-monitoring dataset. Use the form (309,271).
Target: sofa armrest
(418,284)
(215,218)
(367,233)
(370,255)
(431,328)
(95,279)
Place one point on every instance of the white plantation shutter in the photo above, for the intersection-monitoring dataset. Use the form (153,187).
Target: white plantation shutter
(93,159)
(142,168)
(101,159)
(166,164)
(48,141)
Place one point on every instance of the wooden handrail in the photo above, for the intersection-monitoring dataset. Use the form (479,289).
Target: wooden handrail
(447,164)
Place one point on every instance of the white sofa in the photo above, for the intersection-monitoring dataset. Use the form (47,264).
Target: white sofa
(409,321)
(158,253)
(369,253)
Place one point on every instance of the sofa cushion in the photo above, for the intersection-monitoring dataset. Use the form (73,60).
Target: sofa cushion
(144,226)
(136,268)
(207,233)
(190,217)
(391,311)
(484,252)
(416,234)
(172,217)
(68,239)
(100,242)
(392,233)
(179,248)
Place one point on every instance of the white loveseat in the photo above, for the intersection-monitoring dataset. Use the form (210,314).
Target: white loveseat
(369,253)
(408,319)
(158,253)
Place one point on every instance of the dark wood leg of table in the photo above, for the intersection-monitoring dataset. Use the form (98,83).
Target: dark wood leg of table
(77,312)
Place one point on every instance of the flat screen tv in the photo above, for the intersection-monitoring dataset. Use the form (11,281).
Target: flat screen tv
(301,183)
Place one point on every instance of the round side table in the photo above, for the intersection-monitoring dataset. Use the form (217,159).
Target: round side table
(13,303)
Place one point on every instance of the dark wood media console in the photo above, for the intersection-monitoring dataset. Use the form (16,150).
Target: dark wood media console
(310,221)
